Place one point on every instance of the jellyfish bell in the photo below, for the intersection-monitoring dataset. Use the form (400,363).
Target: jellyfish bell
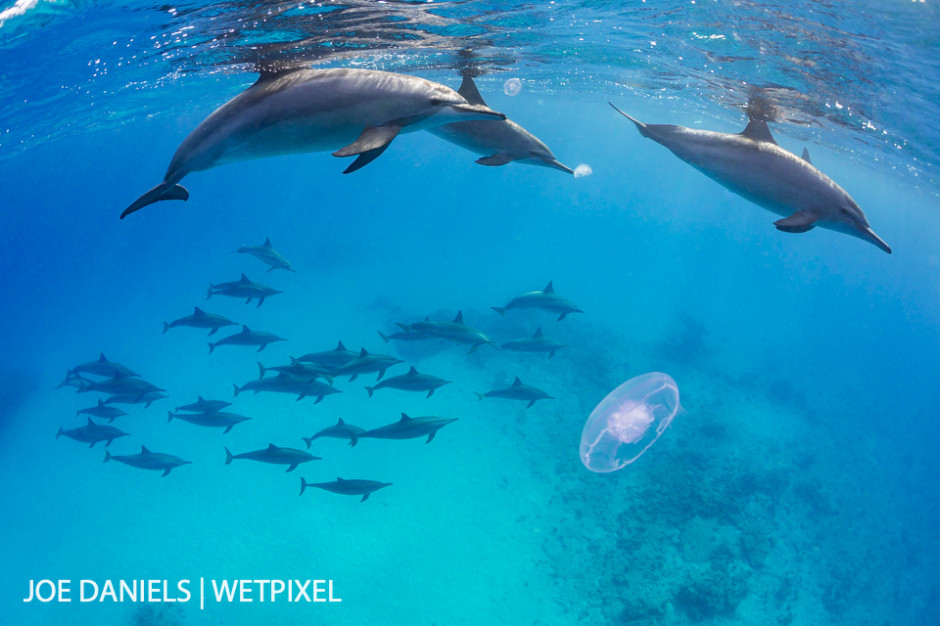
(512,87)
(628,421)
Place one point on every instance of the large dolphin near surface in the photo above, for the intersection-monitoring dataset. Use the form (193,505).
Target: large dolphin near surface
(347,111)
(499,141)
(752,165)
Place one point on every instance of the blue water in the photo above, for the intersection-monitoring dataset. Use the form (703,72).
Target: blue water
(800,484)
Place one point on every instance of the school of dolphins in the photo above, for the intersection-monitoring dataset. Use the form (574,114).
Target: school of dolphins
(358,113)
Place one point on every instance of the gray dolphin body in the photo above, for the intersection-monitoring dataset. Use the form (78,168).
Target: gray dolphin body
(146,459)
(267,255)
(341,430)
(201,319)
(292,457)
(406,334)
(536,343)
(122,385)
(146,399)
(547,300)
(412,381)
(410,428)
(74,380)
(517,391)
(201,405)
(752,165)
(212,419)
(242,288)
(102,367)
(348,111)
(92,433)
(367,363)
(299,370)
(103,411)
(285,383)
(247,337)
(499,141)
(455,331)
(330,359)
(352,487)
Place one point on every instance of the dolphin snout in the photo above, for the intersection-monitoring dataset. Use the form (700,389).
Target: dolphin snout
(478,112)
(869,235)
(558,165)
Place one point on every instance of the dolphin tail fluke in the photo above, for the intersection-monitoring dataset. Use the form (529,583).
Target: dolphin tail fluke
(211,347)
(371,390)
(261,370)
(59,434)
(169,416)
(166,327)
(383,336)
(353,440)
(499,309)
(163,191)
(237,390)
(308,441)
(107,456)
(303,485)
(639,125)
(479,395)
(228,456)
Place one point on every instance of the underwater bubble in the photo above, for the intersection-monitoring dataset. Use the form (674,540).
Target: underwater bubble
(628,421)
(583,170)
(512,87)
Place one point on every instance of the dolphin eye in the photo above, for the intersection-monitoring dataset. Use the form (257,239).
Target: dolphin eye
(435,102)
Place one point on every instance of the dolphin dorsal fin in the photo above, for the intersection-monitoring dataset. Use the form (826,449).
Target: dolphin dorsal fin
(100,402)
(758,131)
(363,353)
(102,358)
(90,423)
(549,288)
(267,242)
(459,318)
(272,71)
(197,312)
(271,446)
(538,332)
(338,479)
(806,156)
(516,382)
(341,422)
(244,279)
(340,347)
(404,417)
(412,371)
(427,318)
(468,89)
(245,329)
(294,361)
(144,450)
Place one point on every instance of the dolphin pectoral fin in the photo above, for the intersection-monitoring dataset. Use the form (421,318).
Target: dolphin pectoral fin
(163,191)
(372,138)
(529,405)
(165,472)
(430,437)
(364,159)
(495,159)
(364,498)
(799,222)
(291,468)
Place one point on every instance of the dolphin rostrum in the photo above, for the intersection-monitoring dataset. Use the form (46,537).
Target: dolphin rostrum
(348,111)
(499,141)
(752,165)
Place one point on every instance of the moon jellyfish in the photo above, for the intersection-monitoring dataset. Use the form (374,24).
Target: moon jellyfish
(512,87)
(628,421)
(583,170)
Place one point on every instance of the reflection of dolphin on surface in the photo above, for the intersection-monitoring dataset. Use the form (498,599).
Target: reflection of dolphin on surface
(499,141)
(752,165)
(347,111)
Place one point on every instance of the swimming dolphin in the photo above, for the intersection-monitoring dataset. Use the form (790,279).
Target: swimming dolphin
(353,487)
(102,367)
(292,457)
(242,288)
(213,419)
(410,428)
(536,343)
(366,363)
(412,381)
(285,383)
(347,111)
(341,430)
(752,165)
(201,319)
(145,459)
(517,391)
(299,370)
(330,359)
(121,385)
(103,411)
(92,433)
(268,255)
(74,380)
(247,337)
(499,141)
(406,334)
(455,331)
(204,406)
(146,399)
(547,300)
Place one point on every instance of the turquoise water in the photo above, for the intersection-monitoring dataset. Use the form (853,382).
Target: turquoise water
(800,484)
